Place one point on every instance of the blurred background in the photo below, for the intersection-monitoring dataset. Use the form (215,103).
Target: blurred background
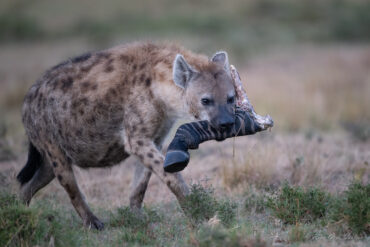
(306,63)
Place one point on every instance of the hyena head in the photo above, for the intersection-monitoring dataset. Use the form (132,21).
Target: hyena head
(209,91)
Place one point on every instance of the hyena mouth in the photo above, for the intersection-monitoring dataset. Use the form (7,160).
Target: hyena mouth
(190,135)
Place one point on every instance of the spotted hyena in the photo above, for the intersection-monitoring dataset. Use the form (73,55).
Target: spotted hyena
(97,109)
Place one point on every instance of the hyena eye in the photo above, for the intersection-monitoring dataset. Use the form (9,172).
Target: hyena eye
(206,101)
(230,100)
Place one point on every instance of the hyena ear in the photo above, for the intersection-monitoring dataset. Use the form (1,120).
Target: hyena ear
(222,59)
(182,71)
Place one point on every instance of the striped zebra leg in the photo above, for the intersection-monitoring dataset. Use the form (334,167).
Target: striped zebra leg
(190,135)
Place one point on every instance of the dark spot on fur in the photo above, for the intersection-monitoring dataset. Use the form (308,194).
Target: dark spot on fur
(81,111)
(65,105)
(69,160)
(55,164)
(112,92)
(91,120)
(109,68)
(143,130)
(156,162)
(140,143)
(168,183)
(79,103)
(66,83)
(142,66)
(81,58)
(85,85)
(87,67)
(148,82)
(150,155)
(142,76)
(91,135)
(103,54)
(79,133)
(60,178)
(216,74)
(134,67)
(141,156)
(124,58)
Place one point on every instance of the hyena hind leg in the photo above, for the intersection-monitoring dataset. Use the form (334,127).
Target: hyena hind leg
(139,185)
(64,173)
(43,176)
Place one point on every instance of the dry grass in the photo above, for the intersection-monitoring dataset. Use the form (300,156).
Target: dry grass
(325,160)
(308,87)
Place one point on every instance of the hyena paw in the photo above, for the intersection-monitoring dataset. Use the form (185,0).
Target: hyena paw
(95,223)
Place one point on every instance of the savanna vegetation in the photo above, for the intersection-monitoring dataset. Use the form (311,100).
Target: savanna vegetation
(305,183)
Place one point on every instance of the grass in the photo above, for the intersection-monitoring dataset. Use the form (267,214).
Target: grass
(201,205)
(44,223)
(22,226)
(294,204)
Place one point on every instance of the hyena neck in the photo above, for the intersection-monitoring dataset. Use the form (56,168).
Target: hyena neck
(173,99)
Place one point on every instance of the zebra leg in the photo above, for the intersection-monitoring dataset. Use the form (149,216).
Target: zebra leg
(190,135)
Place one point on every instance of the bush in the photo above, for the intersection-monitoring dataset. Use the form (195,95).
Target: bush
(353,207)
(294,204)
(201,205)
(226,211)
(135,225)
(255,202)
(23,226)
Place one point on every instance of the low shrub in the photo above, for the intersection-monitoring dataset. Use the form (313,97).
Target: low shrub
(29,226)
(255,202)
(353,208)
(294,204)
(135,225)
(201,205)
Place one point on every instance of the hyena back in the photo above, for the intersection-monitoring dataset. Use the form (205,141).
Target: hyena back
(97,109)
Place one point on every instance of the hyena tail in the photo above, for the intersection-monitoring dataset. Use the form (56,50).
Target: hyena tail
(34,162)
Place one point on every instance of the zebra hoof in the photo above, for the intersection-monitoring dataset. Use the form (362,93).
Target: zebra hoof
(176,161)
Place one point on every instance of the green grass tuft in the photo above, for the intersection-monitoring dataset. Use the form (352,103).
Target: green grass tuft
(28,226)
(353,208)
(294,204)
(201,205)
(135,226)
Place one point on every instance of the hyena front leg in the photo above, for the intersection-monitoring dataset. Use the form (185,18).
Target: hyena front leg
(139,185)
(64,173)
(152,158)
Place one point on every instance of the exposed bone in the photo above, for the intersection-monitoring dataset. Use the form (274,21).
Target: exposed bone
(244,104)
